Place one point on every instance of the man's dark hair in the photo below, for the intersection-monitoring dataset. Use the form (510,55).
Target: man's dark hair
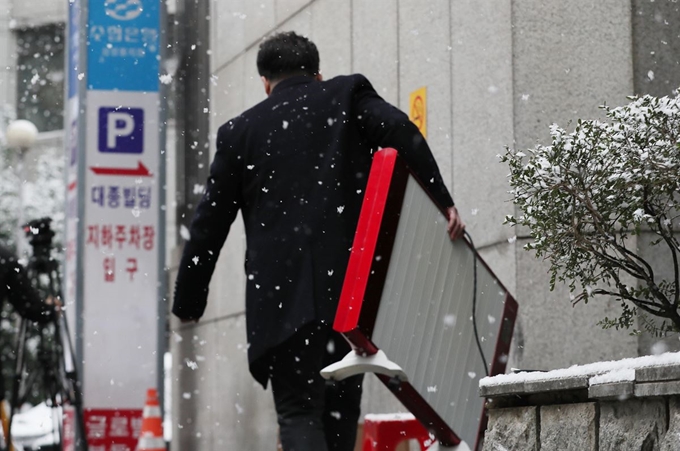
(286,54)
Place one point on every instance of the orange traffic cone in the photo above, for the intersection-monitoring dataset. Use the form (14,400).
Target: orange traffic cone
(151,433)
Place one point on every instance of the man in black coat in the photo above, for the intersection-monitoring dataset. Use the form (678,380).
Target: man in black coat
(296,165)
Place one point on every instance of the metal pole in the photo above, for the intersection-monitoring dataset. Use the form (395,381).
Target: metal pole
(22,181)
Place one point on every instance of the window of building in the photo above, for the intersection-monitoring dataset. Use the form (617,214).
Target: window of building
(40,71)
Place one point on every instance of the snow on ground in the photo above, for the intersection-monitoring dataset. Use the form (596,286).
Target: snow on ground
(624,375)
(610,371)
(36,427)
(389,416)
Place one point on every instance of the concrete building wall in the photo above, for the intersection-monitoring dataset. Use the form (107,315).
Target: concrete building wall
(497,74)
(32,13)
(16,15)
(7,56)
(656,46)
(568,58)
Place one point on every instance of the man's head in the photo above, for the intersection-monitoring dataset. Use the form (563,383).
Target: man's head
(285,55)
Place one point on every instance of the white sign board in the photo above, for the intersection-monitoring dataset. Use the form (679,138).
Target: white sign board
(114,281)
(121,247)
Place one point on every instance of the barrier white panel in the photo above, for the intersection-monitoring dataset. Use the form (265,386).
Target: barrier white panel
(409,292)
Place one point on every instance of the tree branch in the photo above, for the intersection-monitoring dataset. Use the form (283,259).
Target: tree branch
(629,267)
(674,254)
(642,304)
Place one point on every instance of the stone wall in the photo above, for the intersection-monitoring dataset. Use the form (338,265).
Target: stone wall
(634,408)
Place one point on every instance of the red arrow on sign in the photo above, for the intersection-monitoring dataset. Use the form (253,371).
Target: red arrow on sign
(140,171)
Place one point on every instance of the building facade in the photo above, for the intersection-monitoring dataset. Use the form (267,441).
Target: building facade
(497,74)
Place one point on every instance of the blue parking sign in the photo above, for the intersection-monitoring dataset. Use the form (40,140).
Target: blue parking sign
(121,130)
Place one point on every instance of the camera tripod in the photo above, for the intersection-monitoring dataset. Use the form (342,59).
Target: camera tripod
(55,372)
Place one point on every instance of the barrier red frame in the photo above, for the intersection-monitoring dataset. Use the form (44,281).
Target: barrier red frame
(365,278)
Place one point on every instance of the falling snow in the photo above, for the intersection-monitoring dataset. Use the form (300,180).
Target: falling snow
(659,348)
(184,233)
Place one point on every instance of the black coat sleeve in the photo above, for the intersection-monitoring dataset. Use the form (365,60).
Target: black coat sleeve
(386,126)
(19,291)
(210,226)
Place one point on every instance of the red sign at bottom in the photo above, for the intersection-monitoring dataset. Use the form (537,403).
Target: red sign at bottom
(69,429)
(112,429)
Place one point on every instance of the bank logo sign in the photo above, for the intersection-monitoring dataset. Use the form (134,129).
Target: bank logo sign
(123,9)
(123,48)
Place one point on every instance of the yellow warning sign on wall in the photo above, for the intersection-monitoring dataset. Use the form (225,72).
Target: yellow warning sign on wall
(417,111)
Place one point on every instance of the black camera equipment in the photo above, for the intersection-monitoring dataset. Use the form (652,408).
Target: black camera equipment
(54,373)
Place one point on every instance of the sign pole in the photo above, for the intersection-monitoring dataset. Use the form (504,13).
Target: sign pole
(162,213)
(74,142)
(115,284)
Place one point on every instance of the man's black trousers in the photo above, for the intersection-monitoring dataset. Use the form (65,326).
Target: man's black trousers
(314,414)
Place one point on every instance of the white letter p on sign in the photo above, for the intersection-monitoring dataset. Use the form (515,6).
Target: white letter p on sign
(114,131)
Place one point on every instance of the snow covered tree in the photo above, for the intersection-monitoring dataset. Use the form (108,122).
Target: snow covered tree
(9,198)
(43,196)
(584,196)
